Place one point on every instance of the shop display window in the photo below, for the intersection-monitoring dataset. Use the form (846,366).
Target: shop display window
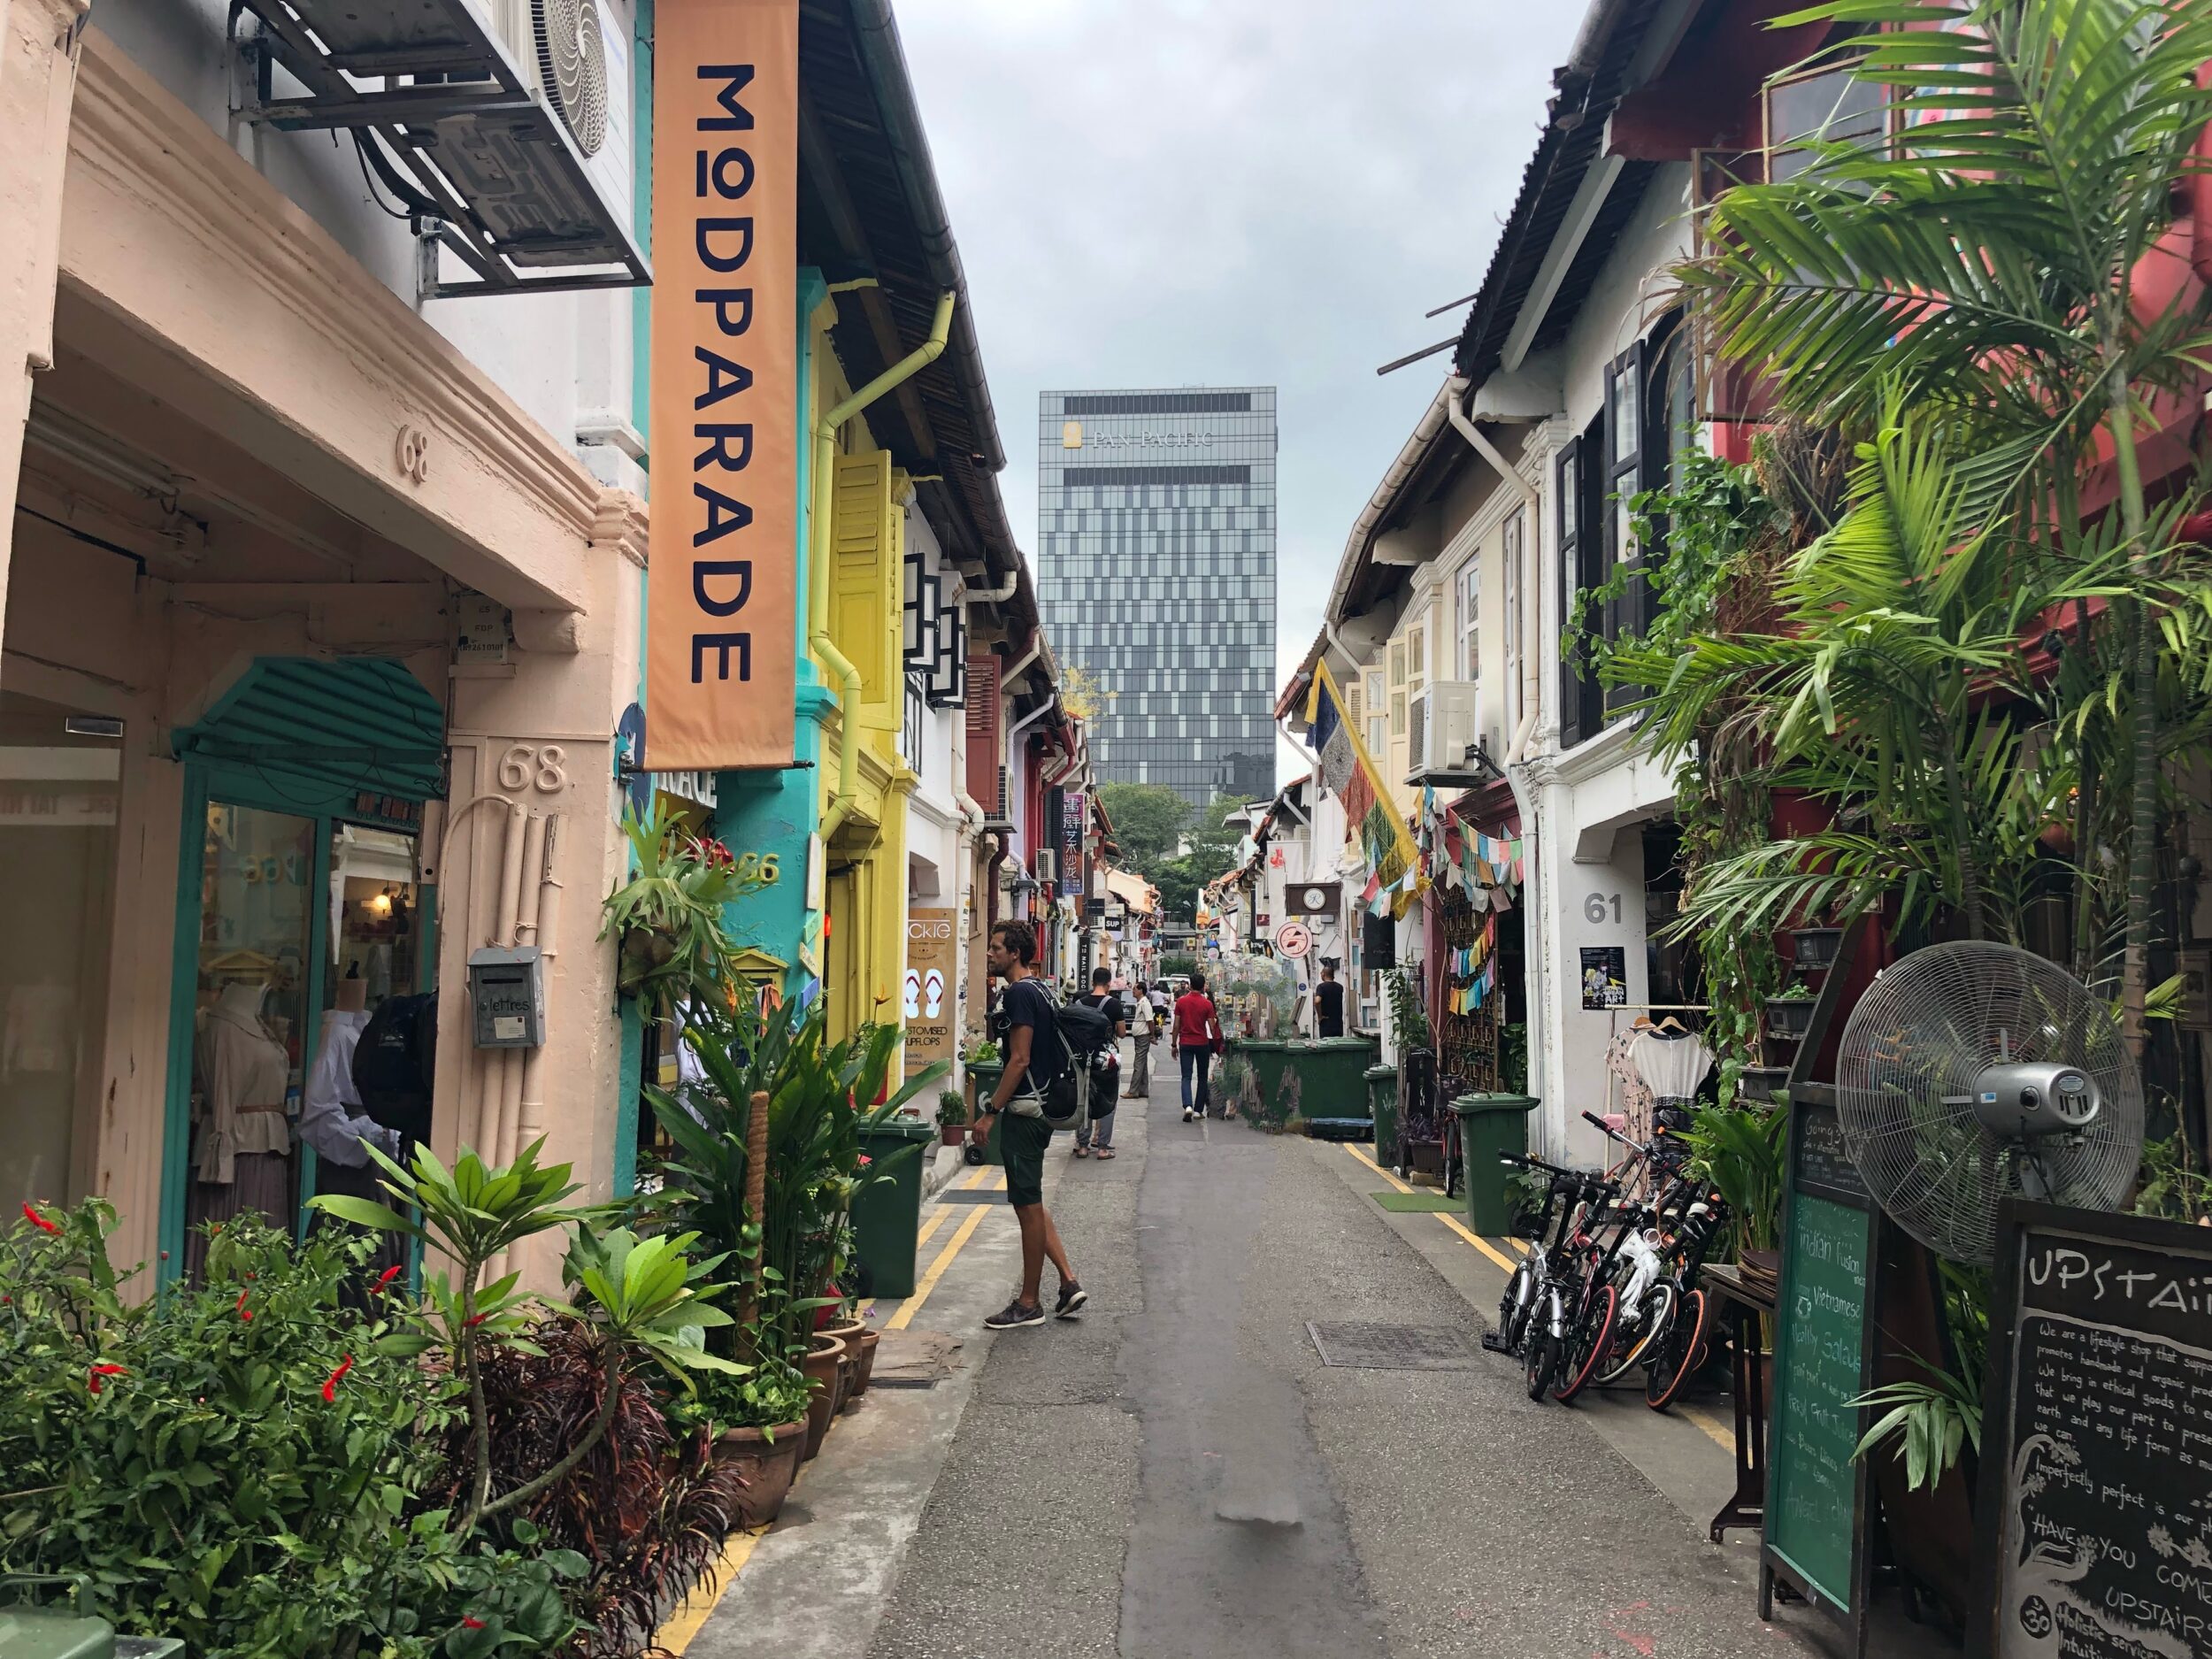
(59,773)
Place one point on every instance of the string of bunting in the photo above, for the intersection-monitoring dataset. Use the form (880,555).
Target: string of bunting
(1472,971)
(1489,869)
(1396,873)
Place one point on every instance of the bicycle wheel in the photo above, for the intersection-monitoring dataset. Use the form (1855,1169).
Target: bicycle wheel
(1513,1307)
(1543,1360)
(1674,1361)
(1587,1344)
(1632,1344)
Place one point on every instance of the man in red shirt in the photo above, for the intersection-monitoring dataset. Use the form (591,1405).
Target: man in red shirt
(1197,1036)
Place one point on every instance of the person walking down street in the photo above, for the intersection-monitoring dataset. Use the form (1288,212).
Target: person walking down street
(1197,1040)
(1144,1024)
(1029,1019)
(1096,1134)
(1328,1004)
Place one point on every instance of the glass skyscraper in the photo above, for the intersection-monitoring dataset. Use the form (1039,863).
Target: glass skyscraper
(1156,545)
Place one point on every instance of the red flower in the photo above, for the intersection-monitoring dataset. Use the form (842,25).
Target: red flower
(866,1160)
(385,1278)
(242,1310)
(472,1623)
(92,1376)
(37,1221)
(330,1387)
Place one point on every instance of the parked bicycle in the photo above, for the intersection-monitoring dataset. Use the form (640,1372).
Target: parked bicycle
(1547,1297)
(1663,1319)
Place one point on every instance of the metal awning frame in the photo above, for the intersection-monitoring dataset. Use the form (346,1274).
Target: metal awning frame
(480,80)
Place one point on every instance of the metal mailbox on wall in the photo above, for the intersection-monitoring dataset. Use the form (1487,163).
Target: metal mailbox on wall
(507,991)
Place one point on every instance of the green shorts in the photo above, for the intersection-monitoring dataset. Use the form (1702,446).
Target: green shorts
(1022,1142)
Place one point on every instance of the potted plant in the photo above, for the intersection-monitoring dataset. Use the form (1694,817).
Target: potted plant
(668,914)
(777,1193)
(760,1422)
(1741,1152)
(952,1117)
(1790,1011)
(1813,949)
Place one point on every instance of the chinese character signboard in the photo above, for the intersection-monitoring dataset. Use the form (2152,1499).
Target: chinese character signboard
(1074,818)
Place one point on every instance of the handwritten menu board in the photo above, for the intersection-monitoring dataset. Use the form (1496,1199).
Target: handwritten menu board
(1819,1156)
(2097,1462)
(1819,1355)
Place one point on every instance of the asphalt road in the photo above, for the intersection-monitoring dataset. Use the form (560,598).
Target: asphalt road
(1177,1474)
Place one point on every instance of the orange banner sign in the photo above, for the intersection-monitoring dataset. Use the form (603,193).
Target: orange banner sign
(721,635)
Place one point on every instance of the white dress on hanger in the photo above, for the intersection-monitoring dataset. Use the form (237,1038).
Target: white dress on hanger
(1671,1066)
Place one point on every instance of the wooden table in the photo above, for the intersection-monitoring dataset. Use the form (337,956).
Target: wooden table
(1746,1305)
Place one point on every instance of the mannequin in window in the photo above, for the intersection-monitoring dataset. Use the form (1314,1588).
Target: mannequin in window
(243,1145)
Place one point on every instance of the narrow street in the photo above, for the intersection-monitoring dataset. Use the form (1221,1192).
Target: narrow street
(1176,1472)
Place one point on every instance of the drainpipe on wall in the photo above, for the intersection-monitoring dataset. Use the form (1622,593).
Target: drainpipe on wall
(825,430)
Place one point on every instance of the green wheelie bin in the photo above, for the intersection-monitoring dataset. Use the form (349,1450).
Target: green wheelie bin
(887,1209)
(1489,1125)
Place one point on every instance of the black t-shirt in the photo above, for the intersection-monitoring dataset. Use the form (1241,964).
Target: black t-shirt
(1024,1002)
(1328,1003)
(1109,1004)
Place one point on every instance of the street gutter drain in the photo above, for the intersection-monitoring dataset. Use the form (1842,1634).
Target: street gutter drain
(1369,1347)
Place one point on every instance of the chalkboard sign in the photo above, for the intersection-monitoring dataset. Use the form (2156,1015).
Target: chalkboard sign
(2095,1507)
(1814,1537)
(1823,1165)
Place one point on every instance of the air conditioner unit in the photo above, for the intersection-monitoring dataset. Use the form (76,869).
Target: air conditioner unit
(579,56)
(1048,866)
(1442,724)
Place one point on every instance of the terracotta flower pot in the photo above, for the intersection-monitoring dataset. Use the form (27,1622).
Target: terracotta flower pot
(952,1134)
(848,1331)
(767,1461)
(865,1367)
(822,1362)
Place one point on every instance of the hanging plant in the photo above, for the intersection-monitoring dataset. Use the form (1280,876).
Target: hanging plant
(668,914)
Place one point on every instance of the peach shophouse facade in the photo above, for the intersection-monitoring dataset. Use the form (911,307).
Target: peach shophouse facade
(321,642)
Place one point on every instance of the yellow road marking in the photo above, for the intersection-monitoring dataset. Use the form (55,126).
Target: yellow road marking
(929,1228)
(1723,1432)
(912,1305)
(682,1625)
(1475,1239)
(1378,1168)
(974,1183)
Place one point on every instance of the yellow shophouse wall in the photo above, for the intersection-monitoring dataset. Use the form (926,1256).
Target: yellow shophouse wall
(865,871)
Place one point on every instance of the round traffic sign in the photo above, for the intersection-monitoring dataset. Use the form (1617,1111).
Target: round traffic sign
(1293,939)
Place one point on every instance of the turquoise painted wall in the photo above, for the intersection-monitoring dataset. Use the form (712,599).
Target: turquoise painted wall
(775,813)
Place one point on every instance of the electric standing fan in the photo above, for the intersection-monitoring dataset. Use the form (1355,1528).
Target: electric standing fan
(1972,1073)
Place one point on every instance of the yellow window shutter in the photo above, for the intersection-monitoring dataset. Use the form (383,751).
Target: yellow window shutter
(1352,701)
(867,544)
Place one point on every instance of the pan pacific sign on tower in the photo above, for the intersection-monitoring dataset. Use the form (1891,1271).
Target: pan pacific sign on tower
(1073,437)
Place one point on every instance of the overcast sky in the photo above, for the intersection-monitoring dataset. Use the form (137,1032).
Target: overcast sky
(1232,192)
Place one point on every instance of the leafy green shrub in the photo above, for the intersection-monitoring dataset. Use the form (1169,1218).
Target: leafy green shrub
(237,1464)
(645,1509)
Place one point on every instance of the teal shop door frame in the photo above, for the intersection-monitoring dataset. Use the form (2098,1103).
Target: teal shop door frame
(354,740)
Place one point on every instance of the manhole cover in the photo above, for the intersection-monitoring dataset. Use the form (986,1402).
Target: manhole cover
(1394,1347)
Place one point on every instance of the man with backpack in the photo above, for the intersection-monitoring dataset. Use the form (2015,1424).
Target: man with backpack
(1036,1060)
(1096,1134)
